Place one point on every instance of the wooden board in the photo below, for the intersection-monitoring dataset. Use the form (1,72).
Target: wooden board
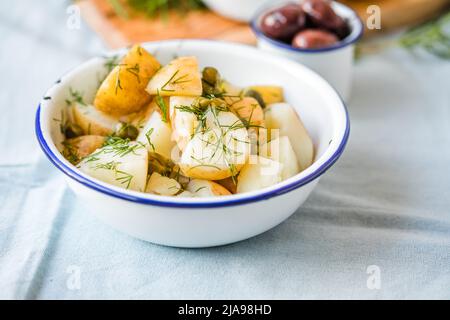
(119,32)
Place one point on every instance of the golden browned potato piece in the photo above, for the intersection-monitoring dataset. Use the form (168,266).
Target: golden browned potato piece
(123,90)
(180,77)
(138,119)
(270,94)
(249,111)
(77,148)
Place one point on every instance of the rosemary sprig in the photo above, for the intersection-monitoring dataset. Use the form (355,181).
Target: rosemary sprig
(432,36)
(134,70)
(116,146)
(111,62)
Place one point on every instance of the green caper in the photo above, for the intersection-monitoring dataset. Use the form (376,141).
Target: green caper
(256,95)
(73,130)
(157,163)
(127,131)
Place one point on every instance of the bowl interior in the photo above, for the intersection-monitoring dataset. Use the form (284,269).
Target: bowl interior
(319,106)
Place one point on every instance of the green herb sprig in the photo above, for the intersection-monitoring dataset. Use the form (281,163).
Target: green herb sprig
(153,8)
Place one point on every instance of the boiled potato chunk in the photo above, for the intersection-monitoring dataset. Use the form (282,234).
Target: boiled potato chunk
(186,194)
(77,148)
(180,77)
(183,123)
(281,150)
(218,150)
(93,121)
(204,188)
(123,164)
(123,90)
(162,185)
(283,117)
(262,173)
(156,136)
(270,94)
(249,111)
(228,183)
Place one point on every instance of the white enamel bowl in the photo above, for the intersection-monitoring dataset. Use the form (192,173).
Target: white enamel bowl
(203,222)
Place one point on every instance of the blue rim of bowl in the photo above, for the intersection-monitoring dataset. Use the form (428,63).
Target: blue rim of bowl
(220,203)
(350,39)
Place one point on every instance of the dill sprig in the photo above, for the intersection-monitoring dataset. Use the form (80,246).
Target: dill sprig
(75,96)
(154,8)
(70,152)
(116,146)
(148,135)
(433,37)
(173,81)
(162,106)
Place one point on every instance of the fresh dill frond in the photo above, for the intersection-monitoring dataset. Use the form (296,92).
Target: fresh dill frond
(148,137)
(162,106)
(134,70)
(111,62)
(173,81)
(75,96)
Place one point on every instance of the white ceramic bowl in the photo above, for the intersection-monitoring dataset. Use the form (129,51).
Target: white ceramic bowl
(241,10)
(202,222)
(334,63)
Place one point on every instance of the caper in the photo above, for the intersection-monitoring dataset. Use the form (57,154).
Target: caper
(127,131)
(73,130)
(157,163)
(211,75)
(211,81)
(256,95)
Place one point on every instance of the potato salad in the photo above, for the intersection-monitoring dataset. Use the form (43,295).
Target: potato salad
(178,130)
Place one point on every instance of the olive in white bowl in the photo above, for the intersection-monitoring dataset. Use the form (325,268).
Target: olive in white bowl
(202,221)
(317,33)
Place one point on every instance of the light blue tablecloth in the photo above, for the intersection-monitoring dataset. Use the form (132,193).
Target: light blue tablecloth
(377,226)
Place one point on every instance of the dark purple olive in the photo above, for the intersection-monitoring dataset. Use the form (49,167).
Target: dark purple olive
(284,22)
(313,39)
(322,15)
